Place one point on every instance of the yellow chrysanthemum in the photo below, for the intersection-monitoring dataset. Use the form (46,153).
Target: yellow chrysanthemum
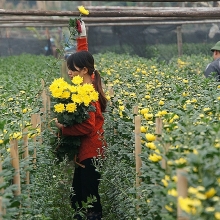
(155,158)
(144,111)
(168,208)
(151,145)
(217,215)
(82,10)
(16,135)
(76,98)
(1,141)
(59,108)
(94,96)
(144,129)
(148,116)
(71,107)
(65,95)
(150,137)
(210,193)
(172,192)
(86,100)
(77,80)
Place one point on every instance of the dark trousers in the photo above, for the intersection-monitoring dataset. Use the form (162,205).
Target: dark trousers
(85,184)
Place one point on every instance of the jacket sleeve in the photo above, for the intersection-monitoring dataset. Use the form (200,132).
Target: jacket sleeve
(81,129)
(82,44)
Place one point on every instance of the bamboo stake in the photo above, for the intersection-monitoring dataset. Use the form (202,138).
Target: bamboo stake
(158,132)
(2,208)
(34,119)
(15,163)
(179,41)
(181,191)
(26,153)
(44,97)
(137,119)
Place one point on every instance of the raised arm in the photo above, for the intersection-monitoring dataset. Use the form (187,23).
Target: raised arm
(82,39)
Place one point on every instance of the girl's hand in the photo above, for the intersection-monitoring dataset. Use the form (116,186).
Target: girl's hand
(60,126)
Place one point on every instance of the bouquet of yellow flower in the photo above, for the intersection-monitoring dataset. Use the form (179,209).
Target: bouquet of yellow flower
(72,104)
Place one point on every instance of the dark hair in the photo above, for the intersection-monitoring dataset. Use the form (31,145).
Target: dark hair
(83,59)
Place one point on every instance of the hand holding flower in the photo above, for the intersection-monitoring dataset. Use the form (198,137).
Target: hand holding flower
(60,126)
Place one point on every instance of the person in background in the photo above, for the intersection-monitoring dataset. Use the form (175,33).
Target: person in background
(86,177)
(213,68)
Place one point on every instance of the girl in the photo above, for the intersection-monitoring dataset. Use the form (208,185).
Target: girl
(86,177)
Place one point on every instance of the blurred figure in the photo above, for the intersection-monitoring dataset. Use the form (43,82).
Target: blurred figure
(213,68)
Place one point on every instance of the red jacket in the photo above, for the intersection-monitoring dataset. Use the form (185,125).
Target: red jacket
(91,133)
(91,130)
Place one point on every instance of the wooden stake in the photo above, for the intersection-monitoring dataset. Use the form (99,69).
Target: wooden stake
(179,41)
(26,153)
(15,163)
(44,97)
(137,120)
(2,208)
(182,188)
(34,120)
(158,132)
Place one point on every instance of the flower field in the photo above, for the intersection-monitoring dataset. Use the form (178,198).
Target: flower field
(176,93)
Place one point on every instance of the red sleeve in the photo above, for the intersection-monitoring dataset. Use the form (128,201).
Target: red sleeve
(81,129)
(82,44)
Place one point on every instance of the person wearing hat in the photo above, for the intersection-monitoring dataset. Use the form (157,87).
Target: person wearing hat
(213,68)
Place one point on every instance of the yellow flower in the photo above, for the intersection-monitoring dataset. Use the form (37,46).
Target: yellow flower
(121,107)
(195,151)
(148,116)
(189,205)
(210,209)
(77,80)
(16,135)
(184,94)
(181,161)
(151,145)
(82,10)
(172,192)
(147,96)
(161,113)
(210,193)
(65,95)
(155,157)
(8,149)
(59,108)
(144,129)
(168,208)
(185,81)
(161,102)
(76,98)
(192,190)
(150,137)
(200,196)
(71,107)
(24,110)
(144,111)
(206,109)
(174,178)
(217,215)
(1,141)
(165,183)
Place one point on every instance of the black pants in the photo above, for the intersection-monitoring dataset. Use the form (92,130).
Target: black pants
(85,184)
